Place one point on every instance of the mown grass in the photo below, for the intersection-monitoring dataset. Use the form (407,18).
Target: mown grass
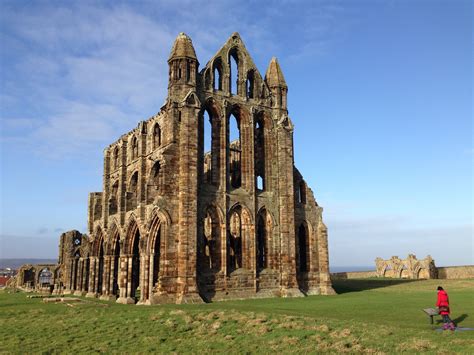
(370,316)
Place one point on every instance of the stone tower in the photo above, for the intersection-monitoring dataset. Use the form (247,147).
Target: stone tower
(202,201)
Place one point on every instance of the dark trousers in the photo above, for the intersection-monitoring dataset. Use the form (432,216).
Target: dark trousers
(446,318)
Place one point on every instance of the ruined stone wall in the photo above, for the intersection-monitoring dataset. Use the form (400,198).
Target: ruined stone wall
(456,272)
(175,223)
(353,275)
(409,268)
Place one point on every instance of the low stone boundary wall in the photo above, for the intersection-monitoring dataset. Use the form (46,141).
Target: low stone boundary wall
(353,275)
(446,273)
(456,272)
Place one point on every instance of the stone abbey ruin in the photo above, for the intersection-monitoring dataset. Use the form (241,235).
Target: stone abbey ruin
(189,213)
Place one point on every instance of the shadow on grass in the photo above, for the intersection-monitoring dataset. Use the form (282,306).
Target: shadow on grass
(455,320)
(460,318)
(357,285)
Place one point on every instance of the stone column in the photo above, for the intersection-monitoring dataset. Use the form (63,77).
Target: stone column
(80,266)
(289,285)
(92,281)
(144,279)
(150,276)
(125,280)
(325,278)
(112,273)
(187,202)
(84,277)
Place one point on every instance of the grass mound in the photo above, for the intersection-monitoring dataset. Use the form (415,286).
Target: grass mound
(368,316)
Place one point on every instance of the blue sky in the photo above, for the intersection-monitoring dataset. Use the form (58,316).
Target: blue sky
(380,93)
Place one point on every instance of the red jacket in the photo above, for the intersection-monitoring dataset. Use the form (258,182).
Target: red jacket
(443,301)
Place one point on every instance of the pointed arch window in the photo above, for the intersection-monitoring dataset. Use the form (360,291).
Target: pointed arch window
(115,158)
(132,194)
(217,71)
(134,147)
(113,200)
(234,72)
(235,152)
(156,136)
(250,84)
(259,152)
(301,193)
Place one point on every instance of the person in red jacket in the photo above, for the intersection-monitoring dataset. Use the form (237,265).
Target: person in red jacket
(443,307)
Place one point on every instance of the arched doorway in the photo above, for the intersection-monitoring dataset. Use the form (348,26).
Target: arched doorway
(262,241)
(45,277)
(234,240)
(116,266)
(156,255)
(135,277)
(209,252)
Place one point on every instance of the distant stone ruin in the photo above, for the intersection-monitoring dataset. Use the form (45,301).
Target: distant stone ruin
(409,268)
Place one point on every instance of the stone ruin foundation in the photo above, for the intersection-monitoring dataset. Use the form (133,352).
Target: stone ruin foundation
(409,268)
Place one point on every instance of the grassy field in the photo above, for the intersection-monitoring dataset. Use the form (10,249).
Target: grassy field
(373,315)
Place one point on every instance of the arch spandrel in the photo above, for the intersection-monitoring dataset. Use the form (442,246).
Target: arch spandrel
(213,107)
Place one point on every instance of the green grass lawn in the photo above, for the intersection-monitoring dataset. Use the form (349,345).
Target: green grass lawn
(371,315)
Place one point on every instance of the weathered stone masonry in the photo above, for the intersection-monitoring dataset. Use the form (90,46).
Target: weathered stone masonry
(177,223)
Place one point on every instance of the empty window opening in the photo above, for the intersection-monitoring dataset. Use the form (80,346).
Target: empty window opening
(156,257)
(155,174)
(250,84)
(116,158)
(207,132)
(259,153)
(234,129)
(217,75)
(235,152)
(234,73)
(261,243)
(113,200)
(155,183)
(133,192)
(116,261)
(156,136)
(301,193)
(302,249)
(188,71)
(234,241)
(45,277)
(135,266)
(134,147)
(260,185)
(207,146)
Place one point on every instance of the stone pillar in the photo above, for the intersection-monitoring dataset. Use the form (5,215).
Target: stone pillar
(124,277)
(289,285)
(80,272)
(84,276)
(92,280)
(106,279)
(144,280)
(150,276)
(187,202)
(112,273)
(324,276)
